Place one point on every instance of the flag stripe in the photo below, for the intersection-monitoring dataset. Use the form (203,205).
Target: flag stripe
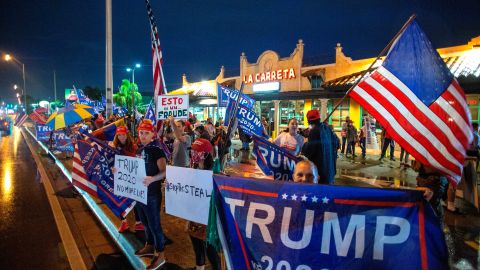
(451,142)
(412,125)
(451,96)
(453,116)
(396,130)
(422,110)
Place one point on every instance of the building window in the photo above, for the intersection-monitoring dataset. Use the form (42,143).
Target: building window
(316,81)
(291,109)
(339,115)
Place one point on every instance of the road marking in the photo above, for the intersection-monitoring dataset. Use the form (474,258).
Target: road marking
(73,253)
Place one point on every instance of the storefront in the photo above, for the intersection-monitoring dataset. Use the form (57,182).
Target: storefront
(286,88)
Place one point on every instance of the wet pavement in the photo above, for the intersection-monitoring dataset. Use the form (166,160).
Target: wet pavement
(28,235)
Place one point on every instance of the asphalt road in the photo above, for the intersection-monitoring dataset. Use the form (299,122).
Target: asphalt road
(28,235)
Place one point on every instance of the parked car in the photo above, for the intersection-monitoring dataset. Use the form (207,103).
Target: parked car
(5,126)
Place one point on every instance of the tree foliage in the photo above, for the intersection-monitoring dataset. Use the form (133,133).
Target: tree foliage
(124,96)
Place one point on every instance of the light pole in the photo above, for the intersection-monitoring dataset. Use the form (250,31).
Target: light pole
(133,94)
(7,58)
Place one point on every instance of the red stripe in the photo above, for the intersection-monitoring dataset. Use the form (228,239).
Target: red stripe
(436,109)
(242,245)
(409,128)
(79,173)
(376,203)
(423,118)
(421,234)
(85,188)
(464,98)
(249,191)
(405,144)
(455,104)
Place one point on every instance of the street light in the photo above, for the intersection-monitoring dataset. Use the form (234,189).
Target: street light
(8,58)
(133,92)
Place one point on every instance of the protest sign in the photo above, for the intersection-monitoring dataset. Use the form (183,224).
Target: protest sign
(43,132)
(172,105)
(287,225)
(187,193)
(128,178)
(62,141)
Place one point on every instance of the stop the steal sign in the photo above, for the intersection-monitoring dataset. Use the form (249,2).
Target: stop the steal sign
(172,105)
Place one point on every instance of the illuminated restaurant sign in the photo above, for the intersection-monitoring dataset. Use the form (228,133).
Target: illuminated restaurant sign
(274,75)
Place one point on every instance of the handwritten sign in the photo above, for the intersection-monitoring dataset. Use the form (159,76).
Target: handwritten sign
(128,178)
(172,105)
(188,192)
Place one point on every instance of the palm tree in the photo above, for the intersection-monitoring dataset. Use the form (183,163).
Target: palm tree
(124,96)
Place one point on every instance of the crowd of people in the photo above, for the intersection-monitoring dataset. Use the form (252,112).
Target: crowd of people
(203,146)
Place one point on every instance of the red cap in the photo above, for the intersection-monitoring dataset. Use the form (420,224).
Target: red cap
(146,125)
(122,130)
(202,145)
(313,115)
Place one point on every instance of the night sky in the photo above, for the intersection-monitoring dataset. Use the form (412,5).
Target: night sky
(198,37)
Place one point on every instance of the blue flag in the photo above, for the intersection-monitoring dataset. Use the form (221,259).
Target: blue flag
(273,160)
(97,159)
(62,141)
(287,225)
(150,114)
(43,132)
(225,94)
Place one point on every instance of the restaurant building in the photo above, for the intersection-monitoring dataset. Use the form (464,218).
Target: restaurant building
(287,87)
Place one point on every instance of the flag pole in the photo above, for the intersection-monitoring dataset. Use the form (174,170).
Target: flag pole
(233,119)
(373,63)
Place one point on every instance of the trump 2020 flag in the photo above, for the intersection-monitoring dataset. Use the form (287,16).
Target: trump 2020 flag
(150,114)
(287,225)
(416,98)
(273,160)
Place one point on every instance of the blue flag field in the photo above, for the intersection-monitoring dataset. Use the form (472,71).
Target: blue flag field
(286,225)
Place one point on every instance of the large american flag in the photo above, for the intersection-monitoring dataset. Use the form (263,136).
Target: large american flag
(158,79)
(417,99)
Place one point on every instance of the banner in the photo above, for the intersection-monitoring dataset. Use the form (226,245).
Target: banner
(224,94)
(287,225)
(172,105)
(128,179)
(371,133)
(62,141)
(187,193)
(42,132)
(97,159)
(247,119)
(274,160)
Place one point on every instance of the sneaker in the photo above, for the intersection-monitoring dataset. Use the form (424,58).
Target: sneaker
(392,159)
(147,250)
(139,226)
(156,263)
(123,227)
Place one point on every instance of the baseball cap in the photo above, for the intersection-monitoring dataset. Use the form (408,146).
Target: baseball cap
(146,125)
(313,115)
(122,130)
(202,145)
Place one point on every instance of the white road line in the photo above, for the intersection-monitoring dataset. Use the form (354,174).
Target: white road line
(73,253)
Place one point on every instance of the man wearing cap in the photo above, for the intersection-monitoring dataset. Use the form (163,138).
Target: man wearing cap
(155,168)
(321,148)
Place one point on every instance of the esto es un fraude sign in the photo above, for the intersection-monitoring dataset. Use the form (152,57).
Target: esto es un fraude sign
(172,105)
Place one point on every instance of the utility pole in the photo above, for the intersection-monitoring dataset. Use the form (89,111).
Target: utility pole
(108,59)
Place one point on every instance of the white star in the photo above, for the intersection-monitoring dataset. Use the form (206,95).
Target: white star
(304,198)
(325,200)
(294,197)
(314,199)
(284,196)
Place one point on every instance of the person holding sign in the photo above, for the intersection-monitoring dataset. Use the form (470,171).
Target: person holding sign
(202,159)
(155,167)
(181,144)
(125,144)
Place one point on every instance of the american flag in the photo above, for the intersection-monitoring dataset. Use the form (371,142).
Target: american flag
(158,79)
(79,176)
(21,118)
(417,99)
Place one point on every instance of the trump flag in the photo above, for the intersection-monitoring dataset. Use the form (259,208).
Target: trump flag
(418,101)
(287,225)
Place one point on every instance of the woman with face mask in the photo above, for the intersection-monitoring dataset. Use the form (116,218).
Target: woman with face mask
(202,158)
